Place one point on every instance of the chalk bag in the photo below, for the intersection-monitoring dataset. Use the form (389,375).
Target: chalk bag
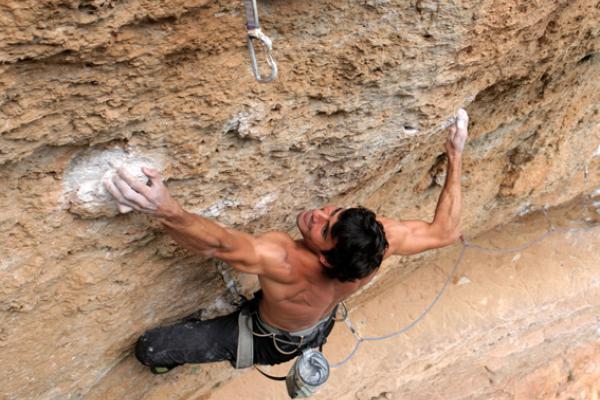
(307,375)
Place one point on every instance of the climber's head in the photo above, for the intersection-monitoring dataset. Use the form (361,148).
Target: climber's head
(350,242)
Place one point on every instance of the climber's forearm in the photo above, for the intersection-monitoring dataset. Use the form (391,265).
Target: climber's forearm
(195,232)
(447,214)
(208,238)
(191,231)
(411,237)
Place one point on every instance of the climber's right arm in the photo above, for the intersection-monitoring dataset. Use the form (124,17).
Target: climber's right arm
(412,237)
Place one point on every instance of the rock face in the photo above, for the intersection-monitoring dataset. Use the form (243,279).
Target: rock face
(356,116)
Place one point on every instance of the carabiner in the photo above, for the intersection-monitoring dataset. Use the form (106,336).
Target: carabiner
(254,33)
(258,35)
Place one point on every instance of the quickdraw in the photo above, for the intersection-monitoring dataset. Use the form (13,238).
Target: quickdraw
(254,33)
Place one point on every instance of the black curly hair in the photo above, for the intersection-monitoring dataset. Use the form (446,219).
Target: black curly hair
(360,244)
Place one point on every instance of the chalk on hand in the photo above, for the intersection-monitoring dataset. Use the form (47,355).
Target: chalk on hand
(83,185)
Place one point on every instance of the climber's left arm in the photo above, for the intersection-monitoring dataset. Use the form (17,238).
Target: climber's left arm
(263,255)
(194,232)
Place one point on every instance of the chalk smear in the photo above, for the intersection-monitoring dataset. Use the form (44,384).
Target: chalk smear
(83,191)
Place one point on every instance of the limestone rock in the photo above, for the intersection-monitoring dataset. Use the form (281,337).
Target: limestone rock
(356,116)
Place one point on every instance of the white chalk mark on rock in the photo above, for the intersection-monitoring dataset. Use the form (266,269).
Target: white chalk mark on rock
(214,210)
(83,191)
(246,125)
(262,206)
(220,306)
(10,261)
(463,280)
(525,209)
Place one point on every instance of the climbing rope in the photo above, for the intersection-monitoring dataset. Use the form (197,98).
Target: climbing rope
(465,244)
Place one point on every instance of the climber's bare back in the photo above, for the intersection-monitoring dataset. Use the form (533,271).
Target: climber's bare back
(307,296)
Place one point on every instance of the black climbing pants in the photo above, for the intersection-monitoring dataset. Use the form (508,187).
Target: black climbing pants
(196,341)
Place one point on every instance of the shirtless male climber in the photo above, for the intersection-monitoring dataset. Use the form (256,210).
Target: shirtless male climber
(302,280)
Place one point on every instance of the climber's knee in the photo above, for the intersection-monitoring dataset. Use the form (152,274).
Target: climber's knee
(151,350)
(144,350)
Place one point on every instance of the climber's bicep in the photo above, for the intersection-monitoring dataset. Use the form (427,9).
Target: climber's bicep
(412,237)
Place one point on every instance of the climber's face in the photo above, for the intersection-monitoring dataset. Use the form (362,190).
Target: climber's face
(315,226)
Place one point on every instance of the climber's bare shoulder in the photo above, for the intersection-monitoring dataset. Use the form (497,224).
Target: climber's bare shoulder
(273,257)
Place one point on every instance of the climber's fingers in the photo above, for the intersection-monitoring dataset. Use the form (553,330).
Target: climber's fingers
(133,198)
(153,175)
(123,209)
(451,131)
(123,205)
(450,137)
(462,121)
(133,183)
(458,132)
(137,200)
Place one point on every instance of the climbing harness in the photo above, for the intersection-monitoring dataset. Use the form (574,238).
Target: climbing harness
(310,370)
(250,324)
(278,339)
(254,33)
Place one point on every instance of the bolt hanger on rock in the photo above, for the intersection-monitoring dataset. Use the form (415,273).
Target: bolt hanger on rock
(254,33)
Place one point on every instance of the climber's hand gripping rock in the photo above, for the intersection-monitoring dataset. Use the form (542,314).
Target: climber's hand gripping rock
(152,198)
(457,134)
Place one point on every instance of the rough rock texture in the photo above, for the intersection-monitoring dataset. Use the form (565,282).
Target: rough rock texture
(355,117)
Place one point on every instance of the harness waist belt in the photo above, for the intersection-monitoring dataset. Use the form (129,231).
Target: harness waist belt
(301,333)
(246,321)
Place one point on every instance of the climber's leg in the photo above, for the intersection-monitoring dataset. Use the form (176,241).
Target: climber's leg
(194,341)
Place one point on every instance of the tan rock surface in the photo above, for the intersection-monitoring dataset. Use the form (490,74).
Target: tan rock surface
(355,117)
